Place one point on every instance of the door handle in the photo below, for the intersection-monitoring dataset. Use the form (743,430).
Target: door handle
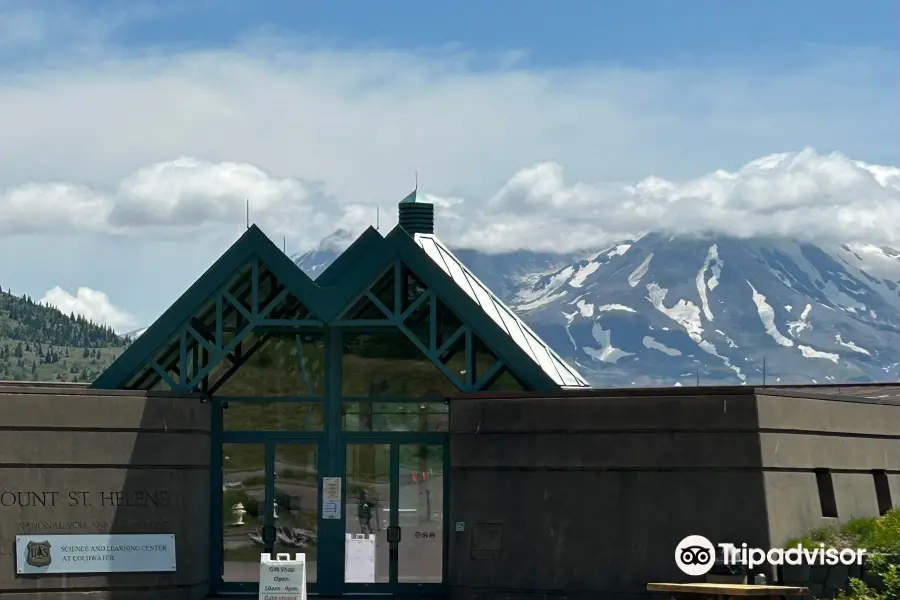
(393,534)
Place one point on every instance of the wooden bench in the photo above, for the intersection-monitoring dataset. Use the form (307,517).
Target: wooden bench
(687,591)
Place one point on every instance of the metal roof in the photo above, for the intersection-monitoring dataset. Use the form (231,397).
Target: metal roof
(535,348)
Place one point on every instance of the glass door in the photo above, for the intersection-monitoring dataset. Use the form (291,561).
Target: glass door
(368,502)
(394,515)
(420,508)
(294,502)
(243,512)
(270,504)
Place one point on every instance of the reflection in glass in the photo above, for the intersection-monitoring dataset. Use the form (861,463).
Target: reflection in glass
(395,416)
(243,500)
(454,357)
(389,364)
(506,382)
(421,514)
(367,498)
(281,365)
(484,359)
(447,324)
(273,416)
(296,503)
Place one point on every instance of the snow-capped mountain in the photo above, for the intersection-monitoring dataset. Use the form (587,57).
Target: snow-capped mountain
(133,335)
(664,310)
(672,310)
(317,260)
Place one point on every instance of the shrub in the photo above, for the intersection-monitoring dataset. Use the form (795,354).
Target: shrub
(889,590)
(885,535)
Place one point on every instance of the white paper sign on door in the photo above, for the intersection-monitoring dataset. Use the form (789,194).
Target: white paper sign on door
(359,558)
(282,577)
(331,498)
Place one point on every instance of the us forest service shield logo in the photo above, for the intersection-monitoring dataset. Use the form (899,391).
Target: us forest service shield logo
(38,554)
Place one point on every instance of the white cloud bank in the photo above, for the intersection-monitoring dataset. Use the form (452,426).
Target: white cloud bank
(804,194)
(92,304)
(128,170)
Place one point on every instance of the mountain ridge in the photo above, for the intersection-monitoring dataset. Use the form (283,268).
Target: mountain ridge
(671,310)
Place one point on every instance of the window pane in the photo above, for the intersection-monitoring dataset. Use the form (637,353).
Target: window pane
(505,382)
(284,365)
(395,416)
(421,514)
(296,503)
(389,364)
(368,499)
(243,501)
(273,416)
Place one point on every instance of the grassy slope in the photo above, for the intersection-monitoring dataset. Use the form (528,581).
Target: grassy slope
(29,331)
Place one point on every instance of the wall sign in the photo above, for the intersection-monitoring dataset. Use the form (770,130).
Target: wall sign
(282,577)
(93,553)
(331,498)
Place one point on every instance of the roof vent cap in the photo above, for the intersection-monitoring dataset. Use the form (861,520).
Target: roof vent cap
(416,215)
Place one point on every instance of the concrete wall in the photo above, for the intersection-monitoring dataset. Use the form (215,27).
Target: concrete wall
(580,495)
(88,453)
(849,438)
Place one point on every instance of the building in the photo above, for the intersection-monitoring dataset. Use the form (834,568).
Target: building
(346,376)
(396,395)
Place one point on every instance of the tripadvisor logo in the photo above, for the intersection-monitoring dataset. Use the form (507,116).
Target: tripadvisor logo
(695,555)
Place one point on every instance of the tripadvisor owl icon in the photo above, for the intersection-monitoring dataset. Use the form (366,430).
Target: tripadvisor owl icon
(695,555)
(38,554)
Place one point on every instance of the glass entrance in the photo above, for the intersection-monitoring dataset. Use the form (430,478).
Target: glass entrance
(270,500)
(243,512)
(394,524)
(295,502)
(420,514)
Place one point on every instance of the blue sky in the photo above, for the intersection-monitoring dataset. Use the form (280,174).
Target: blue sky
(131,133)
(566,32)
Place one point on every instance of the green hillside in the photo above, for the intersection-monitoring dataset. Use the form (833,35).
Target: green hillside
(41,343)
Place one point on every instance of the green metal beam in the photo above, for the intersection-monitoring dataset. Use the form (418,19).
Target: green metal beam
(254,277)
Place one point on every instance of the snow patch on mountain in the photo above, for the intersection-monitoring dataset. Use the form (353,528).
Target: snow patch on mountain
(767,316)
(635,278)
(683,312)
(801,324)
(687,315)
(615,307)
(583,273)
(813,353)
(586,309)
(713,264)
(727,339)
(851,345)
(530,299)
(651,343)
(618,250)
(606,352)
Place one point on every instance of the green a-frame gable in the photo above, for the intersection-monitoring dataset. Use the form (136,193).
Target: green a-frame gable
(255,287)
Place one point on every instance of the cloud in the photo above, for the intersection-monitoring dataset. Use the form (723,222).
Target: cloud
(823,198)
(801,194)
(176,198)
(128,168)
(93,304)
(361,123)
